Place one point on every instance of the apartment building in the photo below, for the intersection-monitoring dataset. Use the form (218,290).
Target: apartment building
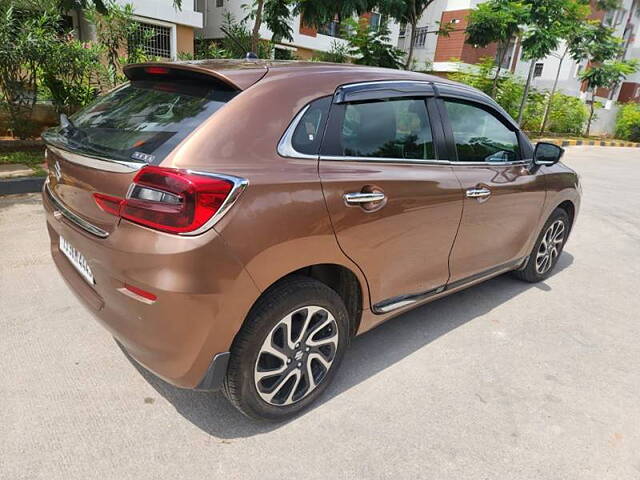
(307,41)
(164,31)
(438,51)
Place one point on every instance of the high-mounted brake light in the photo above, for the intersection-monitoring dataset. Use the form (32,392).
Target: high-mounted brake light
(174,201)
(156,70)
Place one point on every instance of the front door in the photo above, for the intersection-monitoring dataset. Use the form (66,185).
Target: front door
(503,195)
(395,209)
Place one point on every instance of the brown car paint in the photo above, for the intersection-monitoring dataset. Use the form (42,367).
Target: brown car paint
(291,216)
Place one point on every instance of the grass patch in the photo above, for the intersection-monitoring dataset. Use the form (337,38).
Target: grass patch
(31,158)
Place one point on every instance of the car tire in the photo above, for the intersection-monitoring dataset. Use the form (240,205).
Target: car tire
(288,350)
(547,249)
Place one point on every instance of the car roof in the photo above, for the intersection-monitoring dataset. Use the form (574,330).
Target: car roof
(306,79)
(242,74)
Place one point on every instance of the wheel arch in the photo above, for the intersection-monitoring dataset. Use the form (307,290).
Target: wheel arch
(340,279)
(569,207)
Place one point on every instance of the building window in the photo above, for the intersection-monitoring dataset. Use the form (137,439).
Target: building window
(219,3)
(331,29)
(537,70)
(154,40)
(374,21)
(403,30)
(421,37)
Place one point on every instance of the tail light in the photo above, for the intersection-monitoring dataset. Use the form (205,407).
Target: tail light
(174,201)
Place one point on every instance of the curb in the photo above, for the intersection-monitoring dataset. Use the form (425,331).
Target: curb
(562,142)
(21,185)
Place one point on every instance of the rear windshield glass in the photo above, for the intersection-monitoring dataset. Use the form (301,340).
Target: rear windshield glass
(141,121)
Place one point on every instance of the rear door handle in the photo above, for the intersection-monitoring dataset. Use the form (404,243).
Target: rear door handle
(358,198)
(478,192)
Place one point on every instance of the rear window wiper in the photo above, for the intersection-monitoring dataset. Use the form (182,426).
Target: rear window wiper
(81,144)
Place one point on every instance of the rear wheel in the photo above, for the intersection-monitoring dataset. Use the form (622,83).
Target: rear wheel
(547,249)
(288,350)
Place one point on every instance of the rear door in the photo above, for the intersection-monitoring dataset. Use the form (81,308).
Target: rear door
(394,207)
(503,194)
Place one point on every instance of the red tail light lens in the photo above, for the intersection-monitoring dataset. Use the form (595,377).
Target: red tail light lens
(169,200)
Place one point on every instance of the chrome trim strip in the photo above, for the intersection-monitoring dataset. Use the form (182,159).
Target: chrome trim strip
(72,217)
(332,158)
(335,158)
(363,197)
(395,303)
(477,192)
(239,186)
(99,163)
(383,82)
(285,147)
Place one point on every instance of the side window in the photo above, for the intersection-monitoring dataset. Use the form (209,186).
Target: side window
(395,128)
(480,136)
(308,134)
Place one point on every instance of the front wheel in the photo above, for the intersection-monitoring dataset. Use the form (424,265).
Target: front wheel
(288,350)
(547,249)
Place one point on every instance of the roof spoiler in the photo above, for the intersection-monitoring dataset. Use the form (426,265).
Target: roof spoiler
(164,71)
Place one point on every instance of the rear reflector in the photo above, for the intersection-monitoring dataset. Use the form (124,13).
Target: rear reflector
(169,200)
(140,292)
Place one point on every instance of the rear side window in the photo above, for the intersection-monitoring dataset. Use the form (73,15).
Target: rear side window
(308,134)
(143,120)
(394,128)
(480,136)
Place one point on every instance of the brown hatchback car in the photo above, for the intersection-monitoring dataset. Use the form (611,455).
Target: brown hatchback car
(234,224)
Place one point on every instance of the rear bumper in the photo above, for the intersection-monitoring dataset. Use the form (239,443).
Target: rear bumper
(203,295)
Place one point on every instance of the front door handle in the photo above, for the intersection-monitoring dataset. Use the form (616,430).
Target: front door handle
(358,198)
(478,192)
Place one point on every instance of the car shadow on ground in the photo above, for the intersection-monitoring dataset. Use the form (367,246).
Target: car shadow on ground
(368,354)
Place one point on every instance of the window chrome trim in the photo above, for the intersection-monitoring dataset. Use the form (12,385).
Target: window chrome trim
(99,163)
(285,146)
(239,186)
(452,163)
(72,217)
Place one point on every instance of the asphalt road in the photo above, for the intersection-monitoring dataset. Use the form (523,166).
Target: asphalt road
(503,381)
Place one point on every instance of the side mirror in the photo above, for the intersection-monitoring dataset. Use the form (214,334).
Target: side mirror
(547,154)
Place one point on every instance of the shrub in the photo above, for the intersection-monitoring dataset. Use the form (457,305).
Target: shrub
(628,122)
(338,53)
(567,115)
(26,37)
(73,75)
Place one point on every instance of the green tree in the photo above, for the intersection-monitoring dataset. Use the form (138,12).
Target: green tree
(372,46)
(114,28)
(496,21)
(589,40)
(27,35)
(547,23)
(407,12)
(73,74)
(605,75)
(277,15)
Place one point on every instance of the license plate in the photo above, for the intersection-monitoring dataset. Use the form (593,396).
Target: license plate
(77,260)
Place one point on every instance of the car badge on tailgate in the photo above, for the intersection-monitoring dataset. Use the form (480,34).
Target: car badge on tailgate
(145,157)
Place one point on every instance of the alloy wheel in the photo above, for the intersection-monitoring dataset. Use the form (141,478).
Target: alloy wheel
(296,355)
(550,247)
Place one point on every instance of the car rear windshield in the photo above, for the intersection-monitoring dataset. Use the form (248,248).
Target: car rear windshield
(142,121)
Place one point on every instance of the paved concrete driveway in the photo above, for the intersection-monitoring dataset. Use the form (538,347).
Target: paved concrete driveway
(503,381)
